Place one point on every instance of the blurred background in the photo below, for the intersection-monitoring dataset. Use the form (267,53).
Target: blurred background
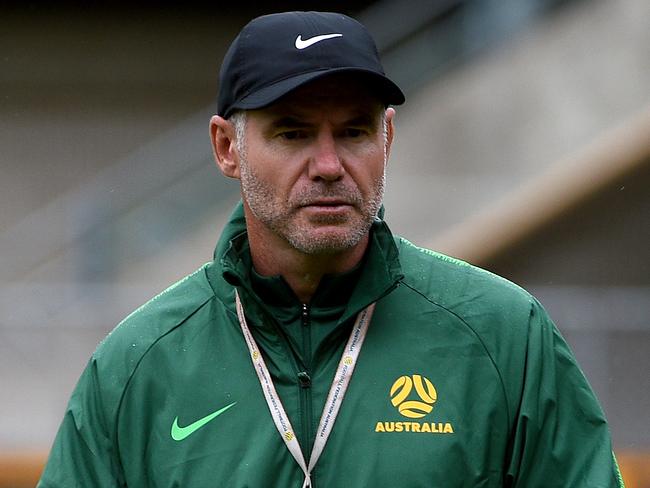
(524,147)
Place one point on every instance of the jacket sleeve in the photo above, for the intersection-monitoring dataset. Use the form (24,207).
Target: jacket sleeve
(83,453)
(560,436)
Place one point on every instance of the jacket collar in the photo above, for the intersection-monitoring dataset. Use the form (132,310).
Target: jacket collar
(380,271)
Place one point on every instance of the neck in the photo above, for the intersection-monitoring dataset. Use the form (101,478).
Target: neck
(302,272)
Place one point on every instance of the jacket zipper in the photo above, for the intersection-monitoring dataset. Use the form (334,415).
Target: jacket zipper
(304,380)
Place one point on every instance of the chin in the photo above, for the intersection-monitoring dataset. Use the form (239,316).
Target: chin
(326,241)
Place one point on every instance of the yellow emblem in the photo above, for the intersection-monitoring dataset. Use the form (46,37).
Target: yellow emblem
(411,408)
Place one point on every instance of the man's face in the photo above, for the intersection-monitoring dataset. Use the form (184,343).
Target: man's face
(312,166)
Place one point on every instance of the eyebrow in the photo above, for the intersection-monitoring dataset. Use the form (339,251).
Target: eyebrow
(288,122)
(363,120)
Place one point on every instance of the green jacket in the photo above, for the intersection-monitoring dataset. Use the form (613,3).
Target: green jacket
(463,381)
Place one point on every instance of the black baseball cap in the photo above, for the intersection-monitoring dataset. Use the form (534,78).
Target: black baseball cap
(275,54)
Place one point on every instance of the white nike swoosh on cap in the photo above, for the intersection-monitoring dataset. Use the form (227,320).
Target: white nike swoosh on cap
(300,44)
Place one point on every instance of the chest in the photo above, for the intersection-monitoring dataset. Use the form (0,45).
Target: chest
(422,409)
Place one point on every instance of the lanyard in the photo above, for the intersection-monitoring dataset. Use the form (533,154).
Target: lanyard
(334,398)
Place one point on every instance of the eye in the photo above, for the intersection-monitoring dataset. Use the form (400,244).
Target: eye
(292,135)
(353,132)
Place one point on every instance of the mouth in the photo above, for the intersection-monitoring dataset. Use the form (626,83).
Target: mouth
(331,210)
(328,203)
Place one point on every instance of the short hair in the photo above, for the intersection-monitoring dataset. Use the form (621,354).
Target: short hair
(238,120)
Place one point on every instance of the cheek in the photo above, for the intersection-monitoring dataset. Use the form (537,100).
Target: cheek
(273,172)
(284,184)
(369,171)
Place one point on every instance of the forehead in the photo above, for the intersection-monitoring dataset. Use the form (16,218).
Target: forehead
(334,94)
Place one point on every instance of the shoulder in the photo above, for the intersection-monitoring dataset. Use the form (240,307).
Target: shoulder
(500,314)
(458,286)
(502,317)
(119,354)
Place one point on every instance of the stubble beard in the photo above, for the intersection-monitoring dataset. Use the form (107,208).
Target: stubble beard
(283,217)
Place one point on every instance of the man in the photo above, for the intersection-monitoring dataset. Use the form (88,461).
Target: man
(317,349)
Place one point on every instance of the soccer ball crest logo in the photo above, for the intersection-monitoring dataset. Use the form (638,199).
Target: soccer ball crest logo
(413,409)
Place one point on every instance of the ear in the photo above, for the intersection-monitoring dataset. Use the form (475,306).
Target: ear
(224,147)
(390,130)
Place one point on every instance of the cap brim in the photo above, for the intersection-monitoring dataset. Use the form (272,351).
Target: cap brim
(387,91)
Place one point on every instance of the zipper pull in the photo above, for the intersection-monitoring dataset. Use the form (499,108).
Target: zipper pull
(304,380)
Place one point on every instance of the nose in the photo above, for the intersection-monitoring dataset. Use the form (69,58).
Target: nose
(325,163)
